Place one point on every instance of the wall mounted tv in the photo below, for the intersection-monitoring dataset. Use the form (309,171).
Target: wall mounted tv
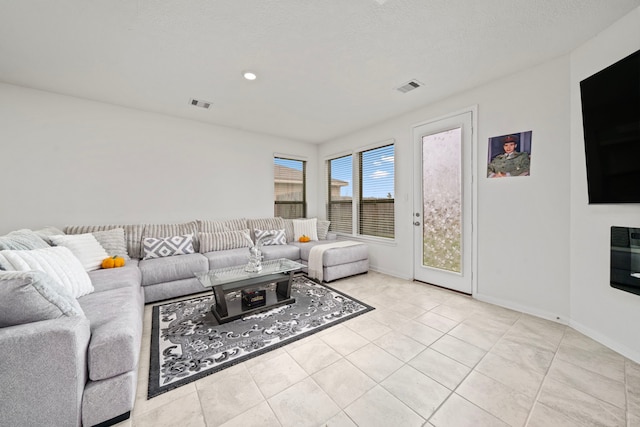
(611,122)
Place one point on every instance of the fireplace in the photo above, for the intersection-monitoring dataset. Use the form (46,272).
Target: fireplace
(625,259)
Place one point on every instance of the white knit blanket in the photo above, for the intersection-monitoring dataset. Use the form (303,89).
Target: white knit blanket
(316,255)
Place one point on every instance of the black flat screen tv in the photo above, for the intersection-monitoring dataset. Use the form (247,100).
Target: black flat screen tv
(611,123)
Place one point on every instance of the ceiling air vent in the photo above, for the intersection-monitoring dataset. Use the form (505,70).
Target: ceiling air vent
(202,104)
(409,86)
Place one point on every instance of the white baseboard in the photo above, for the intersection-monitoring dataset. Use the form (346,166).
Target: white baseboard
(606,341)
(523,309)
(397,274)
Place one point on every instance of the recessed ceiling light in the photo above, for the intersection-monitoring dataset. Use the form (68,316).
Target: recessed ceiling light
(249,75)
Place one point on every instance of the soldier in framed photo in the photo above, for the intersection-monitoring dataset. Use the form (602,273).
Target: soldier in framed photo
(509,161)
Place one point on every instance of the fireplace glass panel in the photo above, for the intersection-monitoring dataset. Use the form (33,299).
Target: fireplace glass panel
(625,259)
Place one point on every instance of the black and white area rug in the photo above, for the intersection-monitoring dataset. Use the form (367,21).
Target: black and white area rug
(187,343)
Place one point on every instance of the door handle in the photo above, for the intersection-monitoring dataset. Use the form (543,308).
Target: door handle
(416,223)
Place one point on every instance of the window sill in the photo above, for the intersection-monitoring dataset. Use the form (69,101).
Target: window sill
(366,239)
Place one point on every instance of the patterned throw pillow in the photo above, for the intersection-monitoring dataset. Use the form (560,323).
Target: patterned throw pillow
(168,246)
(224,240)
(271,237)
(272,223)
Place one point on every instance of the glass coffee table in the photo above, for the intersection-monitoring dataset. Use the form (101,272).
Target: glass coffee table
(225,281)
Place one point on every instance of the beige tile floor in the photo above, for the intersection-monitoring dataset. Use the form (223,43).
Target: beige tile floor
(424,357)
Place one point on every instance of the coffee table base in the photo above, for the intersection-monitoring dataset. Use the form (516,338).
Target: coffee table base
(227,311)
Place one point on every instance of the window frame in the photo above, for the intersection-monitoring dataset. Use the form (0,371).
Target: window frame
(302,202)
(338,202)
(357,200)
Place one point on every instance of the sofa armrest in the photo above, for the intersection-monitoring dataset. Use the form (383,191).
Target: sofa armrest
(43,371)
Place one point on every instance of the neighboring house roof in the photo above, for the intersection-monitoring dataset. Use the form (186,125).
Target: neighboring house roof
(284,174)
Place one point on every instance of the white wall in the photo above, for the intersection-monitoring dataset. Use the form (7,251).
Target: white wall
(609,315)
(523,223)
(71,161)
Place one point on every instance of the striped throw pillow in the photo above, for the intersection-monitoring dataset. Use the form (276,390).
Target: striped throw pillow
(307,227)
(113,242)
(224,240)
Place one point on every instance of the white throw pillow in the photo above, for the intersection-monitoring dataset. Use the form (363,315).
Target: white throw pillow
(58,262)
(307,227)
(85,247)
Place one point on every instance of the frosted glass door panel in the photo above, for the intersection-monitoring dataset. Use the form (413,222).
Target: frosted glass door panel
(442,198)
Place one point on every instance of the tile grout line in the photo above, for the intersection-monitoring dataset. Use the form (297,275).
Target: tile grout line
(467,375)
(544,379)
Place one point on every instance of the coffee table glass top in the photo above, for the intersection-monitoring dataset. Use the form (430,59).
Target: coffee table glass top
(219,276)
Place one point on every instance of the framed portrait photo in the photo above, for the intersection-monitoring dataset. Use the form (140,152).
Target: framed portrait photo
(509,155)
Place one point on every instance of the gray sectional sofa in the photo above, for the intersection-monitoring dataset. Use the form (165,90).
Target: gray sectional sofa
(75,360)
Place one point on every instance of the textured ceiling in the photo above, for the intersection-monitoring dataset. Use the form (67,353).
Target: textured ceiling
(325,67)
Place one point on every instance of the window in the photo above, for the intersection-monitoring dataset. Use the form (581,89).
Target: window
(377,206)
(340,194)
(374,175)
(290,183)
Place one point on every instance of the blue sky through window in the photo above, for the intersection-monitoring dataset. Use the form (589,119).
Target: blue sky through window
(293,164)
(378,173)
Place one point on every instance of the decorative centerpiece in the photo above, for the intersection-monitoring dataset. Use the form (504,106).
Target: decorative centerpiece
(255,253)
(254,298)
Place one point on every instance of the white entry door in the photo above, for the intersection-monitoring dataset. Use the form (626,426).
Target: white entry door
(443,211)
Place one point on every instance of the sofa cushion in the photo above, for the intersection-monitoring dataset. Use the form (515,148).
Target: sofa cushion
(167,269)
(115,318)
(113,242)
(231,257)
(133,235)
(159,247)
(281,251)
(334,256)
(33,296)
(85,247)
(57,262)
(113,278)
(24,239)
